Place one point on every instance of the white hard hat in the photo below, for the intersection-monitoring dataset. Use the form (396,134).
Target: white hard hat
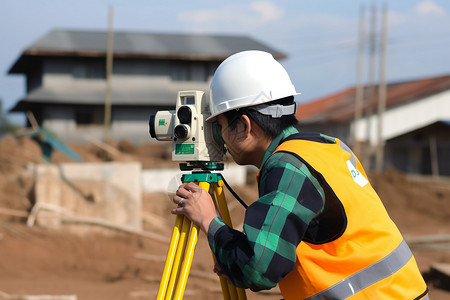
(248,78)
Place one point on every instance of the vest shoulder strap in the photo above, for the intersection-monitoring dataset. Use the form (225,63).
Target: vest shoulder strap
(311,136)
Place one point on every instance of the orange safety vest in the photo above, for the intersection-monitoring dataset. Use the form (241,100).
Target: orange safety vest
(367,258)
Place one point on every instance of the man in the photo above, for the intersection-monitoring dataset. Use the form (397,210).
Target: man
(318,229)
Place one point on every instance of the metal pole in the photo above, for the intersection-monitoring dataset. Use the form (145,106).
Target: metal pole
(382,93)
(434,156)
(109,65)
(359,93)
(372,46)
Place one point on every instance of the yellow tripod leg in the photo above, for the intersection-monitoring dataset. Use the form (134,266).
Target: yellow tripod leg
(189,254)
(170,258)
(223,281)
(178,257)
(187,262)
(225,213)
(223,285)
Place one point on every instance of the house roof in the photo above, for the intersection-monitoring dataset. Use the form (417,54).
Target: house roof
(139,45)
(153,94)
(340,107)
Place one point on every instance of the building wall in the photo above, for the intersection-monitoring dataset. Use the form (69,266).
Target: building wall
(335,129)
(71,73)
(131,123)
(79,77)
(61,73)
(406,118)
(417,151)
(127,123)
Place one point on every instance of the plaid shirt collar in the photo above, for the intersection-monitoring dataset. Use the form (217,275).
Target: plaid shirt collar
(277,141)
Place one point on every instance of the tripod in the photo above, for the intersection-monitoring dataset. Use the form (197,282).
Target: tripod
(184,237)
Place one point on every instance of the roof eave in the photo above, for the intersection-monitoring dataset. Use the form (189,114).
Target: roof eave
(33,53)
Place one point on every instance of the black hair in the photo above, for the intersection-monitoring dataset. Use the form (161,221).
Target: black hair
(272,127)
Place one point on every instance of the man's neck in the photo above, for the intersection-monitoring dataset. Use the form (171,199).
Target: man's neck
(260,150)
(273,143)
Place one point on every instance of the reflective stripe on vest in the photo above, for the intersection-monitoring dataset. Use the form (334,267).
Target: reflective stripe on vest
(368,276)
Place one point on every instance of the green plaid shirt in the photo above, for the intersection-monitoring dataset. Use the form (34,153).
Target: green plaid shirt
(274,225)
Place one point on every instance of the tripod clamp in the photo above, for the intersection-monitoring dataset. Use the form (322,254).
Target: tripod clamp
(205,175)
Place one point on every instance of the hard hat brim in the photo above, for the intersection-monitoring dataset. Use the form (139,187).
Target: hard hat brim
(244,104)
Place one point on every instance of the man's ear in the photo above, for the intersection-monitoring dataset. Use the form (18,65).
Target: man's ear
(247,125)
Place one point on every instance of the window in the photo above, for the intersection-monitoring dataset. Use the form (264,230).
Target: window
(189,71)
(90,70)
(180,72)
(89,116)
(83,118)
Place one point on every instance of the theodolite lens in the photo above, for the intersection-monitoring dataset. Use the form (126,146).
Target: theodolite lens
(184,114)
(181,131)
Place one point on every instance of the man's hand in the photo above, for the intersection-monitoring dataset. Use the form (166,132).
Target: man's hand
(196,204)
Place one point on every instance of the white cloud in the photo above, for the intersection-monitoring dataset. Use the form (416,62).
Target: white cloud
(429,8)
(267,11)
(242,16)
(425,16)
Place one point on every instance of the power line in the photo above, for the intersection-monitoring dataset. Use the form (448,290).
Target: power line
(347,41)
(320,58)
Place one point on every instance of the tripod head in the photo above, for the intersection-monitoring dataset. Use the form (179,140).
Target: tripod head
(201,165)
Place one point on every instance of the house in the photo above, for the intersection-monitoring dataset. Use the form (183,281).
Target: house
(415,127)
(66,78)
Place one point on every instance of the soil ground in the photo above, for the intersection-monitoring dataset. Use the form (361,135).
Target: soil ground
(36,261)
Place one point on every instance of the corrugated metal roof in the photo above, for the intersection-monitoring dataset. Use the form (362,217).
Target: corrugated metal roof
(140,45)
(340,107)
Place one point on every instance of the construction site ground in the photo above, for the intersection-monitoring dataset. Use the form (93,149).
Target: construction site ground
(118,265)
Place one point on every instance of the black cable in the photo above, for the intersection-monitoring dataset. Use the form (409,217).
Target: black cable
(233,192)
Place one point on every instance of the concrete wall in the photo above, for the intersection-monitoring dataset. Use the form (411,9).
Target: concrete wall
(110,192)
(107,191)
(128,123)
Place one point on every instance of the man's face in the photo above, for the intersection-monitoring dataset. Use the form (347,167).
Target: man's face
(234,139)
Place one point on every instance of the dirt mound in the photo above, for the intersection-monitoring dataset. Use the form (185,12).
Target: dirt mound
(16,153)
(15,183)
(418,205)
(151,155)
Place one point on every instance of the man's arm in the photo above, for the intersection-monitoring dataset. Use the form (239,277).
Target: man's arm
(273,227)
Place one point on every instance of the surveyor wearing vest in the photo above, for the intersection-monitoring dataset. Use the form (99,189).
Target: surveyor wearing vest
(318,229)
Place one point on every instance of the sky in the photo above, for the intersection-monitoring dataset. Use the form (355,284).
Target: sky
(320,38)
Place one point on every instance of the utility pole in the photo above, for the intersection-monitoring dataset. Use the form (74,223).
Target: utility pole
(372,49)
(434,156)
(359,93)
(382,93)
(109,65)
